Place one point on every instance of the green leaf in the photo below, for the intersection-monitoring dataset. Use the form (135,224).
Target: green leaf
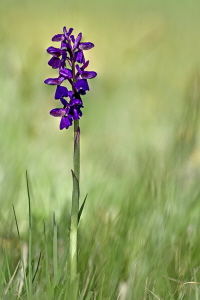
(81,208)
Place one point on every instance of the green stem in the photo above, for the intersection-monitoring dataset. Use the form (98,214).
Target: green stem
(73,248)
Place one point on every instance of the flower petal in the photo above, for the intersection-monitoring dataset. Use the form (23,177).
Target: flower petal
(75,102)
(64,102)
(72,38)
(85,65)
(86,46)
(82,84)
(58,38)
(54,51)
(63,59)
(54,81)
(75,112)
(61,91)
(77,41)
(66,73)
(58,112)
(70,31)
(79,57)
(54,62)
(88,74)
(79,70)
(65,122)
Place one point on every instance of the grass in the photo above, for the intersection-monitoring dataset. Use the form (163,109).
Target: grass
(140,154)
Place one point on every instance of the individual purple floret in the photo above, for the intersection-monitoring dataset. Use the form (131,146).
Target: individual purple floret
(70,61)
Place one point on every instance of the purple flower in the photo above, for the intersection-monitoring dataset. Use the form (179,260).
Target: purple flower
(82,85)
(54,62)
(61,91)
(69,59)
(65,122)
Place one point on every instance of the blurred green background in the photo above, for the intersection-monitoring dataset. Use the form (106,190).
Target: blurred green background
(146,53)
(140,121)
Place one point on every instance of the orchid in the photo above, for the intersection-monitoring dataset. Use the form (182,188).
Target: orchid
(70,61)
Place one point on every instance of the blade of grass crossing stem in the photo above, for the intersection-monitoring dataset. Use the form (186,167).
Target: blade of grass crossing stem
(47,271)
(55,249)
(30,277)
(81,209)
(9,285)
(22,260)
(37,267)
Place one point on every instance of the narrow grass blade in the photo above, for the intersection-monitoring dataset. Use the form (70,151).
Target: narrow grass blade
(47,271)
(55,249)
(30,275)
(24,278)
(37,268)
(89,295)
(81,209)
(29,200)
(12,278)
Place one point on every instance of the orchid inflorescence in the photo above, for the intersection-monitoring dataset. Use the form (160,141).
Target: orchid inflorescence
(71,52)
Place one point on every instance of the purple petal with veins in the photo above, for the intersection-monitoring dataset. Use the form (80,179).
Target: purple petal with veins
(58,112)
(54,81)
(88,74)
(67,73)
(77,41)
(86,46)
(58,38)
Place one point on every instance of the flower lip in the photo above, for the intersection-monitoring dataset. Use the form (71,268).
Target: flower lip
(65,122)
(82,84)
(54,62)
(61,91)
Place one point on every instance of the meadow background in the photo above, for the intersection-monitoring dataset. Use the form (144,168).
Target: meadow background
(140,150)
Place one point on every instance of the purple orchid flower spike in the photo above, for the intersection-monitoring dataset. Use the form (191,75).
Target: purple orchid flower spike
(71,84)
(70,61)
